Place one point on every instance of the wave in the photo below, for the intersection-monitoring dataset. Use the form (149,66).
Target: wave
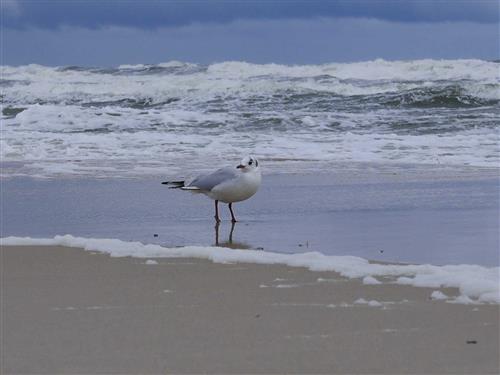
(412,70)
(446,96)
(143,103)
(420,111)
(158,83)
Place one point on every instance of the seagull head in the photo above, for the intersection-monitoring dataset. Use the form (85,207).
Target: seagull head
(248,163)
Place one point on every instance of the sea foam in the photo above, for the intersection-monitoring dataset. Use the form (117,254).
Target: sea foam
(476,284)
(135,118)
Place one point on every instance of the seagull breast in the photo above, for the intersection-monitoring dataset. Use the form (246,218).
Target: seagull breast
(237,189)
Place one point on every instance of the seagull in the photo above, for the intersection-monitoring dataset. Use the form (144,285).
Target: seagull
(228,185)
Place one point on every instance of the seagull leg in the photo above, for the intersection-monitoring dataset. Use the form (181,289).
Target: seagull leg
(233,219)
(217,211)
(231,232)
(217,224)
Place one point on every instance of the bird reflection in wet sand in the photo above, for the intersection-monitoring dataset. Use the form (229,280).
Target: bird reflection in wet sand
(229,243)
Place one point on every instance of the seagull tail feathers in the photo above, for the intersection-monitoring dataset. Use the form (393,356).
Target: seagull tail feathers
(174,184)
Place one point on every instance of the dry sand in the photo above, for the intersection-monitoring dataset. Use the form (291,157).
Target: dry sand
(70,311)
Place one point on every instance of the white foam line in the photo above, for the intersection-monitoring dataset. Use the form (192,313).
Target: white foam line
(475,283)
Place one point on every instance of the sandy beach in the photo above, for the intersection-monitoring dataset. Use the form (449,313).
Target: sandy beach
(65,310)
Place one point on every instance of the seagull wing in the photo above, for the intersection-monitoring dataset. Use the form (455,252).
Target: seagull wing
(208,181)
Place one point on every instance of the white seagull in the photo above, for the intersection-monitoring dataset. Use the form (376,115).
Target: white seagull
(228,185)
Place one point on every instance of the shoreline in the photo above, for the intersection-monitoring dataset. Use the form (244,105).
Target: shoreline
(474,284)
(73,311)
(434,218)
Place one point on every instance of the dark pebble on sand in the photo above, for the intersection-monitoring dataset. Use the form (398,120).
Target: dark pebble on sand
(471,342)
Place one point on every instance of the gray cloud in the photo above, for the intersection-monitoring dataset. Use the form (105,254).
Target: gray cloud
(153,14)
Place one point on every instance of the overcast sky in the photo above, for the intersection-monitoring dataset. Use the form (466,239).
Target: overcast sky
(114,32)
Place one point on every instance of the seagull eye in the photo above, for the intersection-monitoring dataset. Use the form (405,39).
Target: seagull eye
(250,162)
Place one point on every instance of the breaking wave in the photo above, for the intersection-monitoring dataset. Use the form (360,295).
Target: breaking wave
(420,111)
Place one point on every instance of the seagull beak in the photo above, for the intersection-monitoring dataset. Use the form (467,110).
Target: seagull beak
(240,166)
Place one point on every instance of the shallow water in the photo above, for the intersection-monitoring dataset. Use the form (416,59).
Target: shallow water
(394,217)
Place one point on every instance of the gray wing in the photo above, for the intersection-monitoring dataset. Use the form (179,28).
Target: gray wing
(208,181)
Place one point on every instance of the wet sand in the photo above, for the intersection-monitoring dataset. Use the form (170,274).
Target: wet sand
(67,310)
(403,215)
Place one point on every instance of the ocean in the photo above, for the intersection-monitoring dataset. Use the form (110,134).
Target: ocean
(164,119)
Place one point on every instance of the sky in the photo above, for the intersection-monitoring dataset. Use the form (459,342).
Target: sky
(115,32)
